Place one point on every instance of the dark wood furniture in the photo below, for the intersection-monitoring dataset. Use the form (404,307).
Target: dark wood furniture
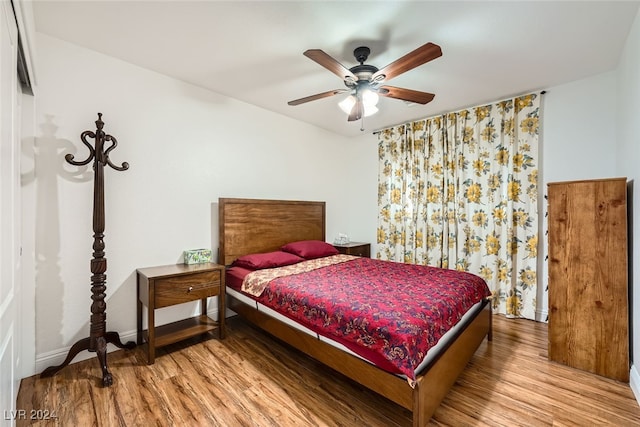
(252,226)
(354,248)
(98,335)
(169,285)
(588,284)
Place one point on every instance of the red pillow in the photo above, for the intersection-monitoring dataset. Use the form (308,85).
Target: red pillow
(310,249)
(266,260)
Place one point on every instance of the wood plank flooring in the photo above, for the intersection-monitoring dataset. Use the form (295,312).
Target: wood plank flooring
(250,379)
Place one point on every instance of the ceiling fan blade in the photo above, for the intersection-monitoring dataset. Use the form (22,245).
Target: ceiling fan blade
(411,60)
(316,96)
(406,94)
(329,63)
(356,111)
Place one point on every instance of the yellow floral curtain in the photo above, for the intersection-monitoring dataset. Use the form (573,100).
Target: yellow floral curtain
(460,191)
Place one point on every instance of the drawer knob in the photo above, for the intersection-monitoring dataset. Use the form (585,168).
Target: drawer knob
(190,289)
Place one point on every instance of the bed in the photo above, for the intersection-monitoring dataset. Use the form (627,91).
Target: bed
(254,226)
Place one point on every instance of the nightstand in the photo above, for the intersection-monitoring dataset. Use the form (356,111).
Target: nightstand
(355,248)
(169,285)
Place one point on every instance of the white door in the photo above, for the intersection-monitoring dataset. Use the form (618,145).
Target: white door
(9,216)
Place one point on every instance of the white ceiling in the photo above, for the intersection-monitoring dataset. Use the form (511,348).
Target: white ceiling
(252,51)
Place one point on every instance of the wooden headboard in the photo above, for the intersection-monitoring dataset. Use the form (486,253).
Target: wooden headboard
(250,226)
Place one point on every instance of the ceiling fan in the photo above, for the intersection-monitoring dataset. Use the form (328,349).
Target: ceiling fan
(364,81)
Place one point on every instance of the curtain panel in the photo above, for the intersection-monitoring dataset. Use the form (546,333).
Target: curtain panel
(460,191)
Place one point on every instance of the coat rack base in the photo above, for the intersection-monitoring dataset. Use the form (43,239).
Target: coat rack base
(101,353)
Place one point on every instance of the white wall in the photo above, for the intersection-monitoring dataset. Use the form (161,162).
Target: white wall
(628,161)
(186,147)
(579,130)
(577,142)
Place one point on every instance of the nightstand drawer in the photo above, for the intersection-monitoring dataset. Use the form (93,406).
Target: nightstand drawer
(179,289)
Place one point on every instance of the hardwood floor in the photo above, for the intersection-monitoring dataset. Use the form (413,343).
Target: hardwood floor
(250,379)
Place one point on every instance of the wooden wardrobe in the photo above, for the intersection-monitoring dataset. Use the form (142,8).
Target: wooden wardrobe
(588,289)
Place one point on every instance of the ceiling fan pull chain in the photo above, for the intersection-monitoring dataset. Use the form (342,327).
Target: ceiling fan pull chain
(362,123)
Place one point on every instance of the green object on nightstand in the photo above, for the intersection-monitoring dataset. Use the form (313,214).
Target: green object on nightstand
(197,256)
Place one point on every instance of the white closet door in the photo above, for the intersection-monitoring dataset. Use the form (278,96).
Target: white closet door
(9,216)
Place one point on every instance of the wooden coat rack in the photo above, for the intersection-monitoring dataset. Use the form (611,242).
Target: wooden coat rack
(98,337)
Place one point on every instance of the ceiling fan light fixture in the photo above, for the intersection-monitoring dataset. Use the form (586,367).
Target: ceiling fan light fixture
(347,104)
(369,101)
(370,98)
(370,110)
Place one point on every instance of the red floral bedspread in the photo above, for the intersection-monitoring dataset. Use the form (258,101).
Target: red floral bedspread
(390,313)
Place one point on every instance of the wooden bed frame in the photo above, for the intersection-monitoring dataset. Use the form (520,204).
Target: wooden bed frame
(253,226)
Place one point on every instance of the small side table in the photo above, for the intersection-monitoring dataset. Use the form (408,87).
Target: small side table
(169,285)
(355,248)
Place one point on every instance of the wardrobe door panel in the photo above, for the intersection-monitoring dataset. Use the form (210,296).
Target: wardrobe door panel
(588,290)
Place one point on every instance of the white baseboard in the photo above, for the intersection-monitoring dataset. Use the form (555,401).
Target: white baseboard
(634,382)
(542,316)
